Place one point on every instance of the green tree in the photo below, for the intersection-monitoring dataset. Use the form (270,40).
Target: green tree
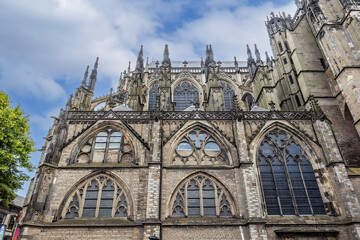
(15,148)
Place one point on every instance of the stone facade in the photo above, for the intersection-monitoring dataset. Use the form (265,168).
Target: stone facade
(206,150)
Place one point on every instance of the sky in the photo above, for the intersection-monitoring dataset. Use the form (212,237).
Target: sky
(47,44)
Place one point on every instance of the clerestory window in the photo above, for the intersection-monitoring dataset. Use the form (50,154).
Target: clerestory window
(185,95)
(108,145)
(201,196)
(154,91)
(99,197)
(228,92)
(198,147)
(288,180)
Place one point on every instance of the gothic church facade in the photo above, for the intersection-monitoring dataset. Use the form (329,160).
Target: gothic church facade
(256,149)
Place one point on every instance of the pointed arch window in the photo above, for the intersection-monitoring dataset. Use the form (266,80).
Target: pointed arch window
(249,101)
(228,92)
(154,91)
(109,145)
(185,95)
(199,147)
(99,197)
(201,196)
(288,180)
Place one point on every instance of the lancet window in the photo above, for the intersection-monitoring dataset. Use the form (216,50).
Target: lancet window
(249,102)
(198,147)
(99,197)
(228,95)
(185,95)
(288,180)
(201,196)
(109,145)
(154,91)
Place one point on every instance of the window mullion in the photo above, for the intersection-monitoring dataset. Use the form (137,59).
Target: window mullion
(186,199)
(217,201)
(82,200)
(283,156)
(113,210)
(107,147)
(306,191)
(201,199)
(99,198)
(277,191)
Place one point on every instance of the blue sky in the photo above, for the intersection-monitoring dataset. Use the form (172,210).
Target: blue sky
(46,44)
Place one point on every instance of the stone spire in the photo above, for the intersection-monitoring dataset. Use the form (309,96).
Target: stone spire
(236,64)
(209,60)
(140,62)
(268,60)
(93,75)
(166,60)
(69,102)
(83,83)
(257,54)
(129,68)
(121,83)
(249,53)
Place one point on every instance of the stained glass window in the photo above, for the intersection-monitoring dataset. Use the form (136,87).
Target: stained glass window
(154,91)
(185,95)
(98,197)
(228,92)
(288,180)
(201,196)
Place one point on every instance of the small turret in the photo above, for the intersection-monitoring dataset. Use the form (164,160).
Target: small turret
(268,61)
(257,55)
(83,83)
(140,62)
(166,60)
(250,61)
(93,76)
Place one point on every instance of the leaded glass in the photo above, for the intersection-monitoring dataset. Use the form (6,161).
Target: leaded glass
(185,95)
(154,91)
(228,92)
(201,196)
(287,177)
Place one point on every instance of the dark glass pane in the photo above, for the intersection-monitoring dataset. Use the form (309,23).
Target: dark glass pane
(154,91)
(208,199)
(178,207)
(73,208)
(266,149)
(185,95)
(121,208)
(90,200)
(312,187)
(269,188)
(106,203)
(298,187)
(228,95)
(225,207)
(193,199)
(283,188)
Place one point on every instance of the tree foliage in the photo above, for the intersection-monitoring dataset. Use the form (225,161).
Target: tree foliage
(15,148)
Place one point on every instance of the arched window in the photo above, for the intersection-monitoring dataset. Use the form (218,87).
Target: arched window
(185,95)
(228,95)
(198,147)
(249,102)
(287,177)
(154,91)
(109,145)
(201,196)
(100,197)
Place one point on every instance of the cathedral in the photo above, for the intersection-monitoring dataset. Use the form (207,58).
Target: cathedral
(266,148)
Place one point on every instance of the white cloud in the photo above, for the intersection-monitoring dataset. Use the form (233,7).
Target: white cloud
(47,43)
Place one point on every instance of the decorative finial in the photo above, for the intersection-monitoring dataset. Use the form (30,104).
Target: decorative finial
(129,67)
(93,75)
(257,54)
(272,106)
(140,62)
(166,60)
(83,83)
(185,63)
(157,64)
